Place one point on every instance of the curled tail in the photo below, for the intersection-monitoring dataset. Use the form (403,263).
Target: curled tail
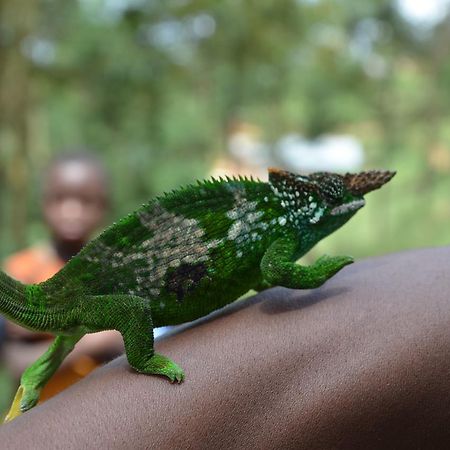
(24,304)
(12,297)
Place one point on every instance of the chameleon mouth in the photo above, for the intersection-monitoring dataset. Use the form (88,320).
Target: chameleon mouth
(348,207)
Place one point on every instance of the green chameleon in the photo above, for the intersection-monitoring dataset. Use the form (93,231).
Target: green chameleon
(181,256)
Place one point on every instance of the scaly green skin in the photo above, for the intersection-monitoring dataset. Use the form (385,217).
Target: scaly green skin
(180,257)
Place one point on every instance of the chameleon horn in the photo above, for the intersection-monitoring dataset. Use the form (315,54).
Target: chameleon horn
(364,182)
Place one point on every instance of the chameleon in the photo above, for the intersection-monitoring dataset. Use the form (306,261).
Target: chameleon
(181,256)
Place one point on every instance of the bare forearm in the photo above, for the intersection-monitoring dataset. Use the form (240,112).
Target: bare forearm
(363,362)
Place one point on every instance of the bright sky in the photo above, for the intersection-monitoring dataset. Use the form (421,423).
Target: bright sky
(423,12)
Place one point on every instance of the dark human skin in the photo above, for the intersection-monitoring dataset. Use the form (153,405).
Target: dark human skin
(360,363)
(75,202)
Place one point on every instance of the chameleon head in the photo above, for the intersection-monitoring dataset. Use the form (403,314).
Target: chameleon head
(324,198)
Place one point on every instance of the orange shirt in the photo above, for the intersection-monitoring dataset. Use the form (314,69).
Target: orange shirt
(33,265)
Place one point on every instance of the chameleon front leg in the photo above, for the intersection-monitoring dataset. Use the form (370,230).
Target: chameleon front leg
(262,286)
(36,376)
(278,266)
(131,316)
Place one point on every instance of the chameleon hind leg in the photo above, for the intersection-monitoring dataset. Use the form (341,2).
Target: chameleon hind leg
(278,267)
(131,316)
(36,376)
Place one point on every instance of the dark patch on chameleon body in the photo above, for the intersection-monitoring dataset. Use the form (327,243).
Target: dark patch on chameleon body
(184,279)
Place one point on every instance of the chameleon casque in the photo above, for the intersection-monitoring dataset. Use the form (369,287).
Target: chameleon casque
(181,256)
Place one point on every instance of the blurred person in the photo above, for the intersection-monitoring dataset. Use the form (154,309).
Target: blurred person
(75,202)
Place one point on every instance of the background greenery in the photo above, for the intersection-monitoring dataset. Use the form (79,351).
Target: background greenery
(154,86)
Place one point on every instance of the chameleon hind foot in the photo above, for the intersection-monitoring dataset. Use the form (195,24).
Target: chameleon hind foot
(132,317)
(24,400)
(161,365)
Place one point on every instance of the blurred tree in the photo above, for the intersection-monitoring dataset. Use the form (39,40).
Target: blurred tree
(153,87)
(17,20)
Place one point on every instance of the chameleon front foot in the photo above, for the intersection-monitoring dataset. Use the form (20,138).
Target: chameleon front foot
(24,400)
(322,270)
(330,265)
(161,365)
(278,268)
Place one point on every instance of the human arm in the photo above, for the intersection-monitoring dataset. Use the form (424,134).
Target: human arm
(18,354)
(362,362)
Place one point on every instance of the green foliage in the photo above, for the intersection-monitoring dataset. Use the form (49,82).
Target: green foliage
(153,87)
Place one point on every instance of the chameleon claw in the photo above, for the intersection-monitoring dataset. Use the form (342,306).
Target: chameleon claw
(176,378)
(179,377)
(14,410)
(25,399)
(161,365)
(329,265)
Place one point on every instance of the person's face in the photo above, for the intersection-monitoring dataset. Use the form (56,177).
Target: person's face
(75,201)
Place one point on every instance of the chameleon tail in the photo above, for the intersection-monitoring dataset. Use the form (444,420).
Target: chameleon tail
(13,298)
(26,305)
